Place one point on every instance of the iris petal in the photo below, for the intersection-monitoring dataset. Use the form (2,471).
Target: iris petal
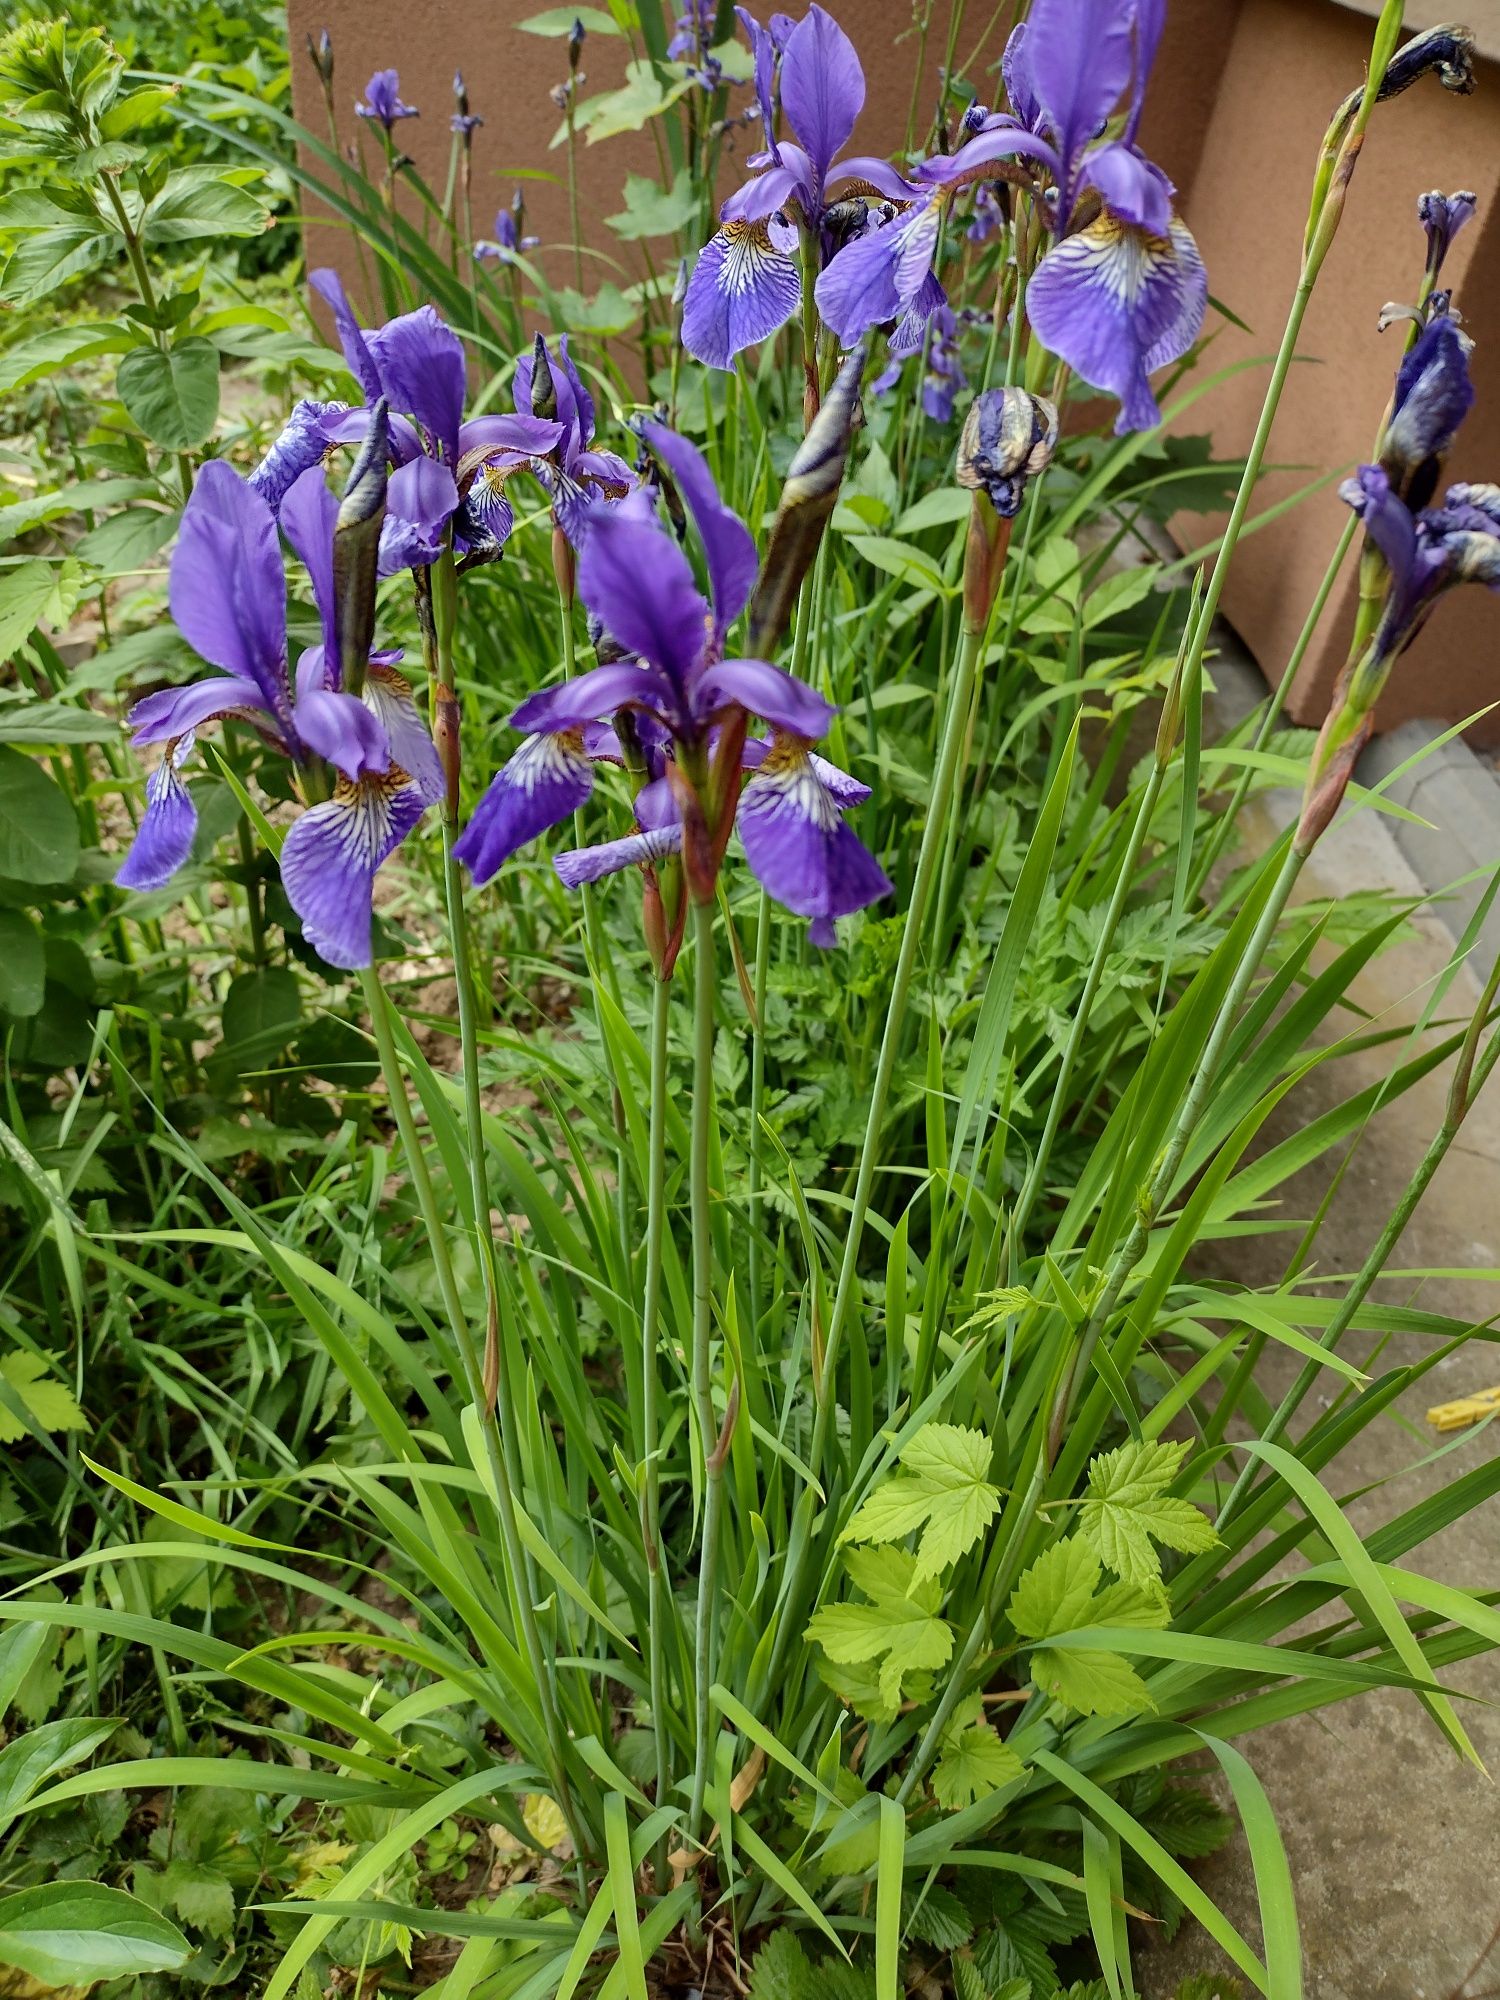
(743,289)
(548,778)
(578,865)
(164,838)
(1115,302)
(798,845)
(329,859)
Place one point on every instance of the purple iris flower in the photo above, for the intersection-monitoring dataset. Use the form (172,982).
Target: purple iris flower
(576,476)
(382,101)
(679,692)
(745,284)
(1433,396)
(508,239)
(448,471)
(228,599)
(1122,291)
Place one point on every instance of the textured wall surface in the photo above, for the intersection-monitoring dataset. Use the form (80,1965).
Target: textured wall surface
(1241,97)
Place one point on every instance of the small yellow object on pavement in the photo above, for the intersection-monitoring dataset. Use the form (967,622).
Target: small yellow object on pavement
(1467,1410)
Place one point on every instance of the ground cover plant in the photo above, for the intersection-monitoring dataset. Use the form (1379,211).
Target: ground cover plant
(609,1107)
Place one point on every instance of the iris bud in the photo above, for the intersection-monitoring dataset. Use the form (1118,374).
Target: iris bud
(576,36)
(807,499)
(543,388)
(321,52)
(356,549)
(1442,216)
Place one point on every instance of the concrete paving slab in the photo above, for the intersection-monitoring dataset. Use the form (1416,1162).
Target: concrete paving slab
(1394,1843)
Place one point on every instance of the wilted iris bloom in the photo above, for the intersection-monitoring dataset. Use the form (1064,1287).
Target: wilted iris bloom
(1441,217)
(382,101)
(677,693)
(1433,396)
(1427,552)
(447,474)
(745,284)
(1122,292)
(228,599)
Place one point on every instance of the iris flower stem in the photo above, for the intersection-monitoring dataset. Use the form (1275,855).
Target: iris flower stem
(934,835)
(378,1006)
(573,221)
(701,1196)
(656,1222)
(142,274)
(1469,1078)
(758,1094)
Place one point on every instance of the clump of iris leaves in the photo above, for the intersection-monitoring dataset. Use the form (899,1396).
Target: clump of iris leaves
(260,1644)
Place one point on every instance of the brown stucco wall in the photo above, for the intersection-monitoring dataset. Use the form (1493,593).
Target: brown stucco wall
(1241,97)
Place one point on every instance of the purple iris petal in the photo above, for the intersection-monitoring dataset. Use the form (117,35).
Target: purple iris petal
(790,181)
(420,502)
(633,576)
(798,845)
(765,690)
(388,694)
(308,517)
(302,443)
(907,334)
(578,865)
(743,289)
(1131,187)
(1079,58)
(763,48)
(361,363)
(164,838)
(172,712)
(1015,71)
(879,274)
(1116,303)
(881,175)
(822,86)
(520,433)
(548,778)
(1387,521)
(382,100)
(728,547)
(840,787)
(592,696)
(329,859)
(1433,396)
(338,727)
(227,591)
(420,362)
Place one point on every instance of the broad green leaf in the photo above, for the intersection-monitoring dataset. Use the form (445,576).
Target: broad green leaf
(188,208)
(71,1932)
(28,1761)
(1059,1594)
(261,1010)
(126,542)
(61,347)
(51,1402)
(606,311)
(942,509)
(1119,592)
(1128,1510)
(42,262)
(899,1627)
(652,210)
(24,594)
(23,964)
(944,1491)
(558,21)
(54,722)
(974,1760)
(172,393)
(900,559)
(643,96)
(38,827)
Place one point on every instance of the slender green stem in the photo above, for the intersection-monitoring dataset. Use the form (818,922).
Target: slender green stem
(1015,1234)
(656,1223)
(432,1220)
(1469,1079)
(701,1197)
(758,1094)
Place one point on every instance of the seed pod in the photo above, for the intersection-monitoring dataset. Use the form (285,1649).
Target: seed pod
(446,737)
(807,499)
(356,550)
(1008,437)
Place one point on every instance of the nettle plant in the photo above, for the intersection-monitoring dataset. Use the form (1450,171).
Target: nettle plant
(783,1496)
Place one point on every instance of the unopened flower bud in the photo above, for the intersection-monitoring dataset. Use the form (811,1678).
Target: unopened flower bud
(356,549)
(1441,217)
(1008,437)
(543,388)
(321,52)
(807,499)
(577,35)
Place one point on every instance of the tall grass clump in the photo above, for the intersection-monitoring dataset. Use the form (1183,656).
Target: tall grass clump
(605,1139)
